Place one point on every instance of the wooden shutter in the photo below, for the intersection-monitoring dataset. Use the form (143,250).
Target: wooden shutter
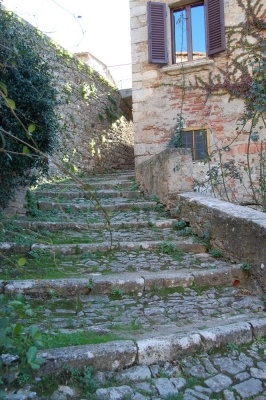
(157,33)
(215,32)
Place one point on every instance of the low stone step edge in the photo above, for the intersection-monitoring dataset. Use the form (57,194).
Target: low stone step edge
(118,355)
(36,225)
(137,282)
(46,206)
(10,248)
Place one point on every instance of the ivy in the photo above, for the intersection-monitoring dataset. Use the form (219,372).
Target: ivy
(30,133)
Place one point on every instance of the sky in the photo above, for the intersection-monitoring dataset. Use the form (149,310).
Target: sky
(100,27)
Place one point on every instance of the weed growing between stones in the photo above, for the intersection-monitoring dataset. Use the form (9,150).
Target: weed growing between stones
(246,267)
(216,253)
(170,249)
(117,292)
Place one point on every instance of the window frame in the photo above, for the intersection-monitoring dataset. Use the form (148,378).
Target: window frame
(193,149)
(157,22)
(186,7)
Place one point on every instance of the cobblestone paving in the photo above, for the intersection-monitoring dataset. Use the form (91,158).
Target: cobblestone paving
(235,374)
(124,261)
(149,314)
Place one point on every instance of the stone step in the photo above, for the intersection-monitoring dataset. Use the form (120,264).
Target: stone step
(123,204)
(122,233)
(90,184)
(188,245)
(119,355)
(131,283)
(75,194)
(71,225)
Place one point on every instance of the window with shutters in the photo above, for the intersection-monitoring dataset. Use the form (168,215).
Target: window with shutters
(197,31)
(197,140)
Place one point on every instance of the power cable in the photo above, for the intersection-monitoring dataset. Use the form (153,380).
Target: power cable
(72,15)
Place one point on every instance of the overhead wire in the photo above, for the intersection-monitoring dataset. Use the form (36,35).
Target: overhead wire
(75,18)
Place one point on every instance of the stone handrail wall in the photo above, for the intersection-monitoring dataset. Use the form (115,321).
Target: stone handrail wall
(238,232)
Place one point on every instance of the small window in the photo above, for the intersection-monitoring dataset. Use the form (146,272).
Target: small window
(188,33)
(197,141)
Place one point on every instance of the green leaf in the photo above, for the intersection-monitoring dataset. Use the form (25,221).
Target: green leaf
(31,354)
(29,312)
(25,150)
(34,329)
(31,128)
(3,88)
(10,103)
(20,297)
(15,303)
(17,329)
(21,261)
(34,366)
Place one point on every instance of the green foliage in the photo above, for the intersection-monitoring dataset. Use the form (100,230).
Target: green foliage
(87,91)
(245,266)
(216,253)
(167,248)
(28,123)
(82,379)
(177,138)
(117,292)
(179,225)
(20,343)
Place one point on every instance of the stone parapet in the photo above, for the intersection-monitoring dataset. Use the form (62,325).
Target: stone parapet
(239,232)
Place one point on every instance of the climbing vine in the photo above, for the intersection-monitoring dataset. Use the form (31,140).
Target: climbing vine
(243,76)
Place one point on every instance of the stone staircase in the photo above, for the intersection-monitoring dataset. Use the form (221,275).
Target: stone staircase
(123,270)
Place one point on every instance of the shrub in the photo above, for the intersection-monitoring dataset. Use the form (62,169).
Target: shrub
(28,123)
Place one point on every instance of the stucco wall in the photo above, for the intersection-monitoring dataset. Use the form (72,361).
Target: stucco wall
(158,96)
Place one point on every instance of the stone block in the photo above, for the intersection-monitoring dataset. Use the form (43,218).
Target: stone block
(258,327)
(238,333)
(112,356)
(151,351)
(185,345)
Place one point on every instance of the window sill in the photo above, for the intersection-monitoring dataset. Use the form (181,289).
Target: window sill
(175,69)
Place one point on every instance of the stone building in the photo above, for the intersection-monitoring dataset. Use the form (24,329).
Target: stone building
(185,56)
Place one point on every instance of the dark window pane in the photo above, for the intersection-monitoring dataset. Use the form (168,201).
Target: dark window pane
(188,139)
(180,35)
(198,31)
(200,141)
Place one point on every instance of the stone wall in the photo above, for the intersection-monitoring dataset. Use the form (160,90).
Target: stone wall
(96,128)
(168,173)
(160,92)
(96,123)
(239,232)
